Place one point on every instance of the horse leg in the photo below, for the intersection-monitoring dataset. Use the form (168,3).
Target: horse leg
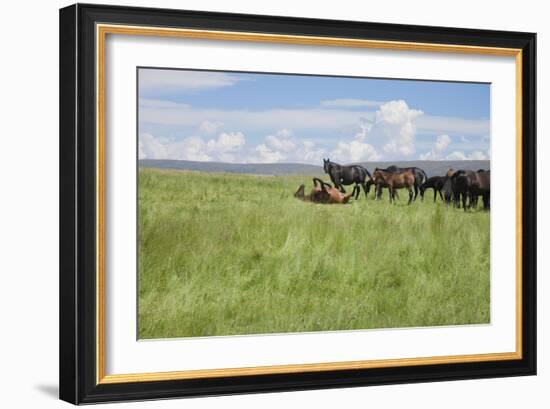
(365,189)
(410,196)
(357,190)
(464,198)
(440,195)
(435,194)
(415,191)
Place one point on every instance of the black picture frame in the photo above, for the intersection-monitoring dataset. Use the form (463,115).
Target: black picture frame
(78,360)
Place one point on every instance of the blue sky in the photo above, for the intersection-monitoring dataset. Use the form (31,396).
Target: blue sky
(249,117)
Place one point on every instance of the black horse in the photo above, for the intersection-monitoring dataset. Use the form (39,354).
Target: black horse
(468,184)
(436,183)
(420,178)
(342,175)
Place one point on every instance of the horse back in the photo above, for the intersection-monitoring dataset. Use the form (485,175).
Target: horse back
(483,180)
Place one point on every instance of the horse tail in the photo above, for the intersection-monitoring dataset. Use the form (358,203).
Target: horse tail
(367,173)
(423,176)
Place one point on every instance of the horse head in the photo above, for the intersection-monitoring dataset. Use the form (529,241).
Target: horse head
(377,176)
(300,192)
(326,164)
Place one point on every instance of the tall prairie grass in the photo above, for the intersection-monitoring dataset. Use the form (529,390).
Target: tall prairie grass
(226,254)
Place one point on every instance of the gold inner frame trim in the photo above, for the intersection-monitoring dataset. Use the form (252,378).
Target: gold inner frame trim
(101,33)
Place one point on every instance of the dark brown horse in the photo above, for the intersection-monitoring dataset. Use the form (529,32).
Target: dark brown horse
(469,185)
(482,187)
(323,192)
(395,181)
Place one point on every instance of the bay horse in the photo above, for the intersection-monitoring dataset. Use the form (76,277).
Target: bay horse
(323,192)
(420,178)
(394,181)
(342,175)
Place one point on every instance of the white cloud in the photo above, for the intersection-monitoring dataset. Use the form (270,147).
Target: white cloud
(459,155)
(442,142)
(312,119)
(183,80)
(225,148)
(266,155)
(477,155)
(456,155)
(151,147)
(354,151)
(280,141)
(365,127)
(281,147)
(232,147)
(443,124)
(210,127)
(146,103)
(184,115)
(351,103)
(394,128)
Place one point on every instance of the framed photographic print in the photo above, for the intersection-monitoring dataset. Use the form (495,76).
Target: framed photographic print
(258,203)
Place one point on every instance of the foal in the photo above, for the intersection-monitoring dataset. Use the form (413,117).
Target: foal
(395,181)
(436,183)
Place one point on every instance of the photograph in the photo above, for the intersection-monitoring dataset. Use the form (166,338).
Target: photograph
(259,202)
(277,203)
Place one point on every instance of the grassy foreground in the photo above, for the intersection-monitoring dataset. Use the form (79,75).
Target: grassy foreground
(226,254)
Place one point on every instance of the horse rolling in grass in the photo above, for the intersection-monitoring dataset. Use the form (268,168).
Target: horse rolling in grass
(323,192)
(342,175)
(394,181)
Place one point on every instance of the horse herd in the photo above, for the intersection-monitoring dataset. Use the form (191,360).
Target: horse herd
(461,188)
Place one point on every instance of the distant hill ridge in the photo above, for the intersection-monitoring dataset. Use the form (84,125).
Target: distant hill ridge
(432,168)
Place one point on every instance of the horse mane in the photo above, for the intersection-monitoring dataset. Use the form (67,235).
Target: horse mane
(363,168)
(458,173)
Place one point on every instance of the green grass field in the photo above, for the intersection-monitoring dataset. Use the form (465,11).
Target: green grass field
(227,254)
